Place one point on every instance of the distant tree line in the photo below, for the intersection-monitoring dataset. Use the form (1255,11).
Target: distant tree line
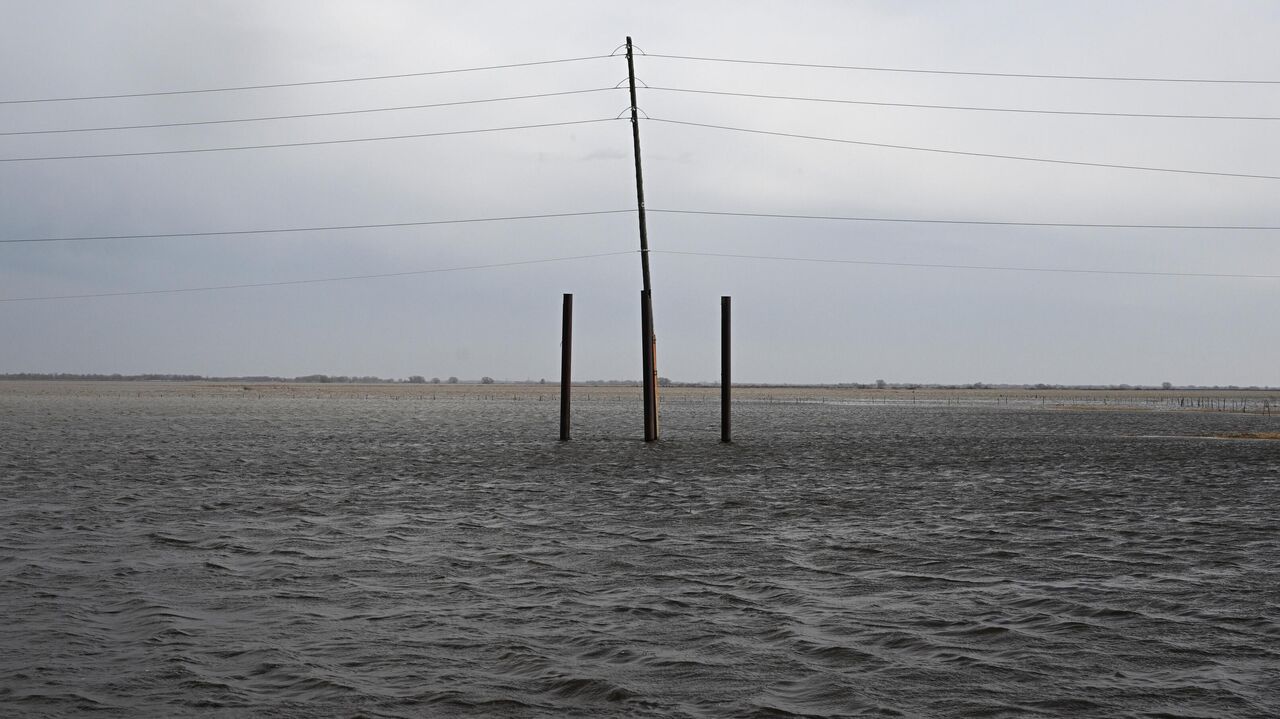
(662,381)
(342,379)
(882,384)
(311,378)
(104,377)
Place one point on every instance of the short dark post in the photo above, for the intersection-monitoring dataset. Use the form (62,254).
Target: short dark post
(726,384)
(566,357)
(646,367)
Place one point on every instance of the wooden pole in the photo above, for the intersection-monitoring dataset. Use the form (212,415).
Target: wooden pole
(726,383)
(653,369)
(650,396)
(566,364)
(647,341)
(635,141)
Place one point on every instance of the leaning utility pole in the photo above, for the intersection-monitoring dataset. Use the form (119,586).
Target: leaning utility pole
(648,341)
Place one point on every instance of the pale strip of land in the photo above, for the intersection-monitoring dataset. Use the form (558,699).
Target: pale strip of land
(1240,400)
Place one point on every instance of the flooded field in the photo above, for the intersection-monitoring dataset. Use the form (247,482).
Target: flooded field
(222,551)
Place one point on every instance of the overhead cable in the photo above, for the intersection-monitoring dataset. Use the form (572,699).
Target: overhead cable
(381,275)
(365,78)
(1037,76)
(660,210)
(846,218)
(1021,158)
(1001,268)
(277,230)
(305,144)
(964,107)
(309,114)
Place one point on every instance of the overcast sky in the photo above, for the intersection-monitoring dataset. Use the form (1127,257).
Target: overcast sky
(794,321)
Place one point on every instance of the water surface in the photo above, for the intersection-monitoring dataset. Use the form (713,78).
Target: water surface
(214,556)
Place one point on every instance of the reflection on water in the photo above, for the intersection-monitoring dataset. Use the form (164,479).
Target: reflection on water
(227,557)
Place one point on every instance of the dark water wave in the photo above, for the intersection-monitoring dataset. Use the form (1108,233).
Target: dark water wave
(221,557)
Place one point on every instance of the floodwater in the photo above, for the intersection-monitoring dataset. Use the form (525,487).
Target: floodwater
(227,557)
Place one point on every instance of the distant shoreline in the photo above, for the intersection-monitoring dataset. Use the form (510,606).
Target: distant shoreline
(1246,401)
(329,380)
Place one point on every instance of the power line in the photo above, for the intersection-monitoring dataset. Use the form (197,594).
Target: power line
(869,68)
(964,107)
(846,218)
(588,213)
(301,84)
(309,114)
(971,267)
(966,153)
(318,228)
(305,144)
(313,280)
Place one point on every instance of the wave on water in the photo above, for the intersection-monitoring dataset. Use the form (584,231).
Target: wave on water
(170,556)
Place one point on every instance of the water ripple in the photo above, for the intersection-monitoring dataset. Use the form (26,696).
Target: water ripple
(169,556)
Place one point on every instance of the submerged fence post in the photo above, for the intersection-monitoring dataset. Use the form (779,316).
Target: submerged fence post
(726,384)
(646,367)
(566,361)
